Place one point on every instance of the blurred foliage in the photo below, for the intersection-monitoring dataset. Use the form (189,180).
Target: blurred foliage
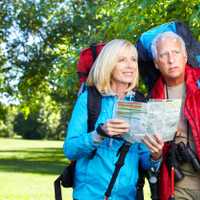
(41,124)
(41,40)
(6,123)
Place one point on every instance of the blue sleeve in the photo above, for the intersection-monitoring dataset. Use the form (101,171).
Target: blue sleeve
(78,143)
(145,158)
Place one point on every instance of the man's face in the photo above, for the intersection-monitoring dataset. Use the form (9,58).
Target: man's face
(171,60)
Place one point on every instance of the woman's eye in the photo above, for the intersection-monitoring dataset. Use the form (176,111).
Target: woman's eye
(134,59)
(121,60)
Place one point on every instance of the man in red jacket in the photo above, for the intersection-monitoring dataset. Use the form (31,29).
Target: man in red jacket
(179,80)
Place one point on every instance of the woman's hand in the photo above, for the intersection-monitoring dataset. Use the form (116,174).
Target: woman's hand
(155,145)
(116,127)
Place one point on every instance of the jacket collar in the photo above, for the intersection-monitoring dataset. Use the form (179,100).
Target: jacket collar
(192,76)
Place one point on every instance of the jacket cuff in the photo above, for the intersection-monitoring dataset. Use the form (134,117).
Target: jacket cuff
(96,137)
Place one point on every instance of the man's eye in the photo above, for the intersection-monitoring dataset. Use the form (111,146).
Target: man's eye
(163,55)
(176,52)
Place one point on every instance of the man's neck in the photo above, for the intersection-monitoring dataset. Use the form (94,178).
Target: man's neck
(175,92)
(174,82)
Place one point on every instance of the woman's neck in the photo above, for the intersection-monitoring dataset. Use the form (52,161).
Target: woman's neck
(119,89)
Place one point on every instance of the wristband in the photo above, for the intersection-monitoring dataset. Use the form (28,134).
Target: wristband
(101,131)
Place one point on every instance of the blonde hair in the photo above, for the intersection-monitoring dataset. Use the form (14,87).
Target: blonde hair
(101,71)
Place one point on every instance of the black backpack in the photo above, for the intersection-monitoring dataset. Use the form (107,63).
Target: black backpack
(86,59)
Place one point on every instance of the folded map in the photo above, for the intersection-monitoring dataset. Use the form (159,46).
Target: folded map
(156,116)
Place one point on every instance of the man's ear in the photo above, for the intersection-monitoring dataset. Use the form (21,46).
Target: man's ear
(156,65)
(186,58)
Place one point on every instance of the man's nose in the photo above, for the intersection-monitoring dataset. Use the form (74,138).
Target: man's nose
(170,58)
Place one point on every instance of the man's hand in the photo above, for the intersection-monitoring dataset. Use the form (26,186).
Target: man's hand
(155,145)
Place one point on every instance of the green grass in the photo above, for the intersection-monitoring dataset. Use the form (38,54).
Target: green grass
(28,169)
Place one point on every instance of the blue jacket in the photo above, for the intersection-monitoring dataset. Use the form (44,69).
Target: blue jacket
(92,175)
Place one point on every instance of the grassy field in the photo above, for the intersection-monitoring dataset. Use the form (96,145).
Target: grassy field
(28,169)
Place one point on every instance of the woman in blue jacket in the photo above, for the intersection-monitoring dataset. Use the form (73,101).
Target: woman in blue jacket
(115,75)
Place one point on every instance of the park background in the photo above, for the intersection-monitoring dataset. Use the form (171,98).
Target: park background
(40,41)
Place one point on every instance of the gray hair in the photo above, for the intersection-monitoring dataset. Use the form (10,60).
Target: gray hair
(167,34)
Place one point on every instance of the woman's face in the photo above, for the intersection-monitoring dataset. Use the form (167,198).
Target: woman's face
(125,69)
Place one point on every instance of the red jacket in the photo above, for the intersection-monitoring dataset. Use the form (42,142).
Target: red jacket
(192,113)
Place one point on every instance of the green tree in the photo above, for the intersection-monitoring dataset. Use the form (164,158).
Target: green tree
(6,123)
(41,124)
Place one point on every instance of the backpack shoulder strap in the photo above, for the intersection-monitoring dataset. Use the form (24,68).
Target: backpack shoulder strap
(122,152)
(94,51)
(93,107)
(140,97)
(140,183)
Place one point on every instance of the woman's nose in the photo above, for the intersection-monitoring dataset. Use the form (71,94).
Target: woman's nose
(131,64)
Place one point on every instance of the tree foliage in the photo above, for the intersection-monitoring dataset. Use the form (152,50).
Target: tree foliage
(41,41)
(6,122)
